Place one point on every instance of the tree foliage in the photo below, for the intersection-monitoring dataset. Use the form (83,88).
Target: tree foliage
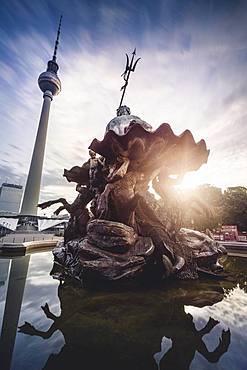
(234,208)
(209,207)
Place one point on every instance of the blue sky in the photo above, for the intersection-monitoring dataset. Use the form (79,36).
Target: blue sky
(192,75)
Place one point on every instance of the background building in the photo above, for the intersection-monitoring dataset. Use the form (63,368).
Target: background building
(10,197)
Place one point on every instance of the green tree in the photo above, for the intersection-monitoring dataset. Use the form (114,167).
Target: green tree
(235,207)
(204,207)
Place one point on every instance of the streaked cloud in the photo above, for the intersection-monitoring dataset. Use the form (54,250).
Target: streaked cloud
(192,75)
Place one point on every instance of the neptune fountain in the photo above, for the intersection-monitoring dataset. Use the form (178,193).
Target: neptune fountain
(118,229)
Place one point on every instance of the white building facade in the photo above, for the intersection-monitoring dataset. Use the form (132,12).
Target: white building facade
(10,197)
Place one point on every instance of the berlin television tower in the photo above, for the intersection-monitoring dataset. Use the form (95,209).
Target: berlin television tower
(50,85)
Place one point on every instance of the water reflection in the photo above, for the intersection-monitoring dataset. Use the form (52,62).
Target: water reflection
(177,326)
(23,280)
(27,328)
(188,340)
(16,285)
(112,331)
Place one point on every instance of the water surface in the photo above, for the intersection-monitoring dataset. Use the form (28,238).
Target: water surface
(181,325)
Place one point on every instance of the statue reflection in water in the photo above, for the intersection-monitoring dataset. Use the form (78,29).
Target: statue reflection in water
(116,331)
(188,340)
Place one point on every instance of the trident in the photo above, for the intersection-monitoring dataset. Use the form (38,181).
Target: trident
(128,69)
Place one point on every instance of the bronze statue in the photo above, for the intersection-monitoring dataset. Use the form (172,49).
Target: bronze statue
(79,214)
(127,233)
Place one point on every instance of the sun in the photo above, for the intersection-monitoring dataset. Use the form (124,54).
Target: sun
(193,179)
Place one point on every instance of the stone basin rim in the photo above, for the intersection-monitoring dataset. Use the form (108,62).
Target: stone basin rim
(21,249)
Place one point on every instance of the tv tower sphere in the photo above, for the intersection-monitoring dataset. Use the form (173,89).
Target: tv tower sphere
(49,81)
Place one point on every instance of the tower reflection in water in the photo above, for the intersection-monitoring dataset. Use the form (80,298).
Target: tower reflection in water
(13,276)
(125,330)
